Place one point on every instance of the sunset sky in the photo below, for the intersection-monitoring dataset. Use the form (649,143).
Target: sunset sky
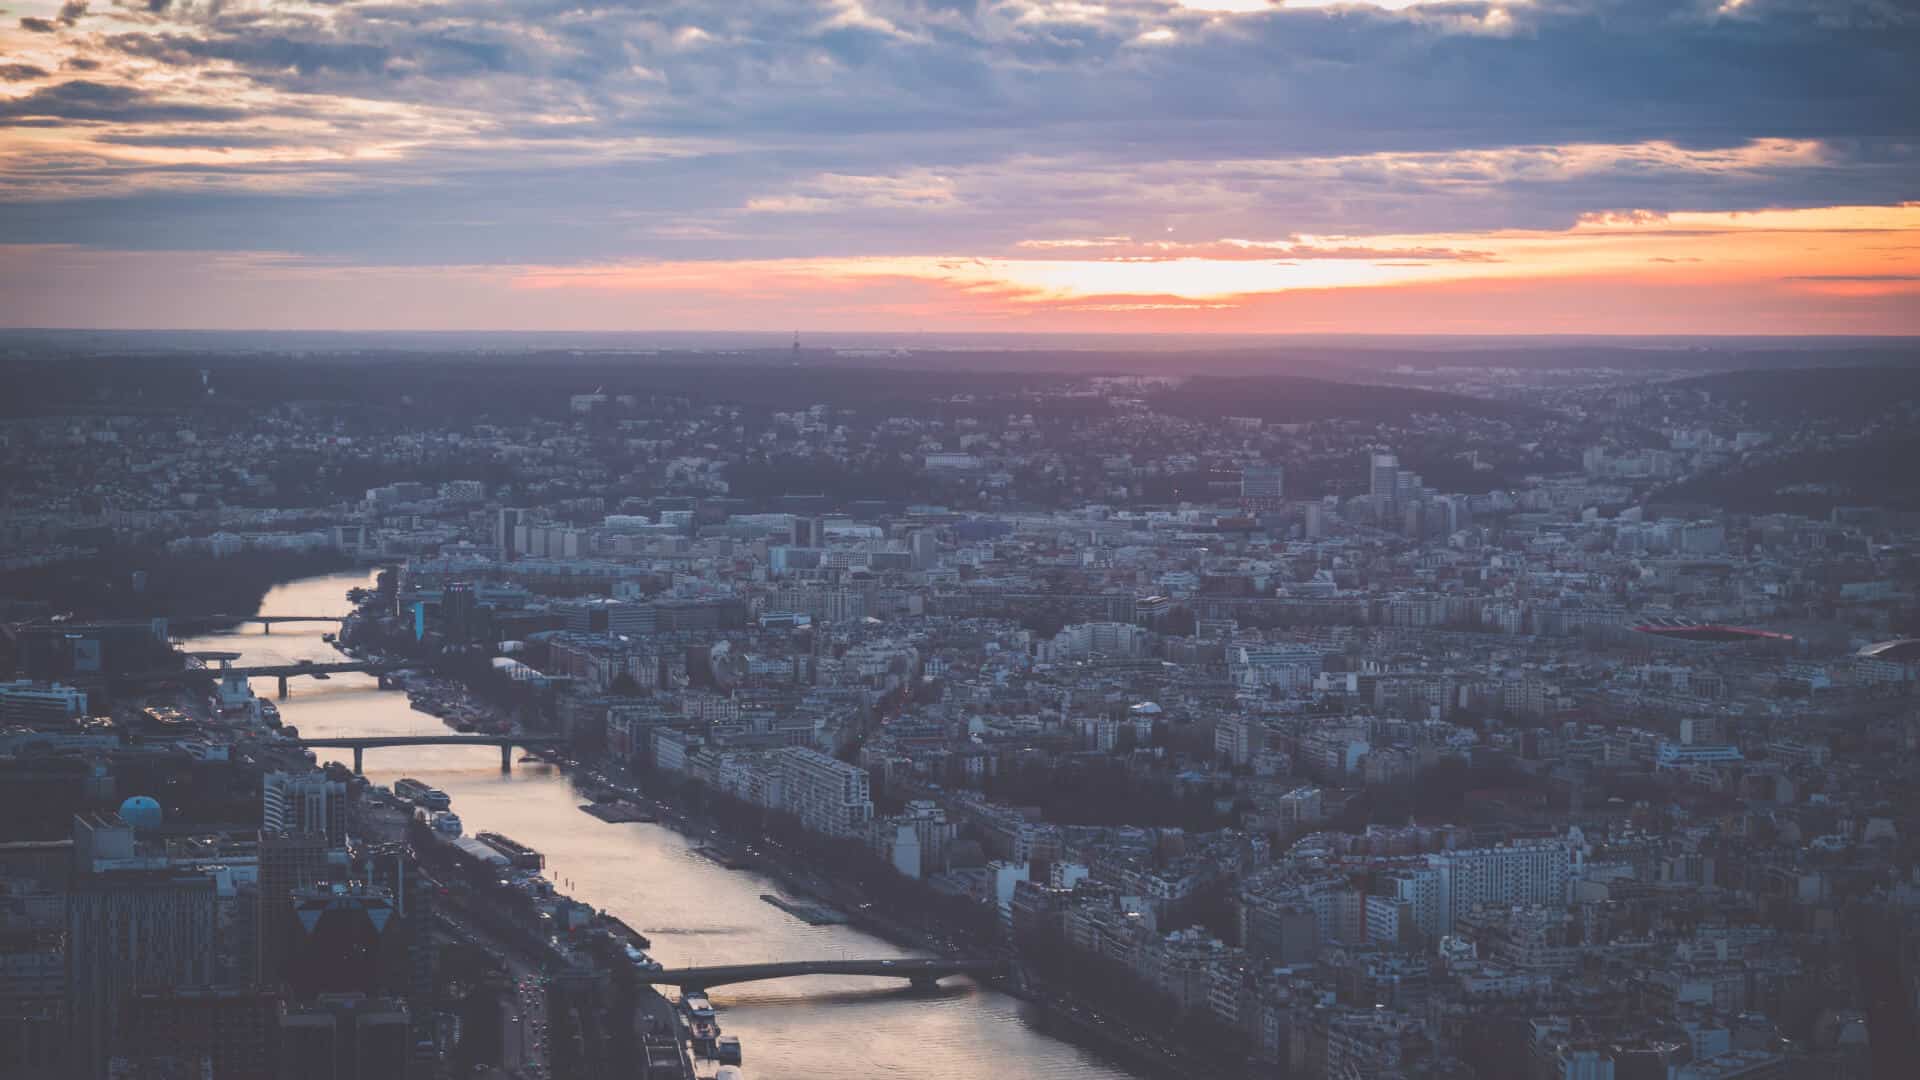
(1581,166)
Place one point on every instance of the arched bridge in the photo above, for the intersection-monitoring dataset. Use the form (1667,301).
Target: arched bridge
(362,743)
(923,973)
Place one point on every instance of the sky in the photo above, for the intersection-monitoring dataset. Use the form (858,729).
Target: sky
(1235,166)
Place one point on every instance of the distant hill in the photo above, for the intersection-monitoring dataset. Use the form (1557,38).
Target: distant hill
(1876,473)
(1798,394)
(541,382)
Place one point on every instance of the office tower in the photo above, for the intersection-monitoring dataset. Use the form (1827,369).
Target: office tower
(395,870)
(227,1030)
(926,549)
(345,939)
(1263,485)
(459,610)
(1316,525)
(288,861)
(506,522)
(298,803)
(344,1037)
(1384,480)
(128,930)
(807,532)
(33,990)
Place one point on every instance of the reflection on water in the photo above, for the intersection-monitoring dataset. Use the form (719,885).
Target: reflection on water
(695,911)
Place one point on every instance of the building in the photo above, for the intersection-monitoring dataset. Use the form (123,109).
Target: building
(808,532)
(288,861)
(296,803)
(128,930)
(827,795)
(925,546)
(346,939)
(30,703)
(344,1037)
(1538,872)
(225,1030)
(1384,476)
(1263,485)
(506,524)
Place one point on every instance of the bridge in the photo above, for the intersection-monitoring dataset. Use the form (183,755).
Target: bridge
(362,743)
(266,621)
(283,672)
(924,974)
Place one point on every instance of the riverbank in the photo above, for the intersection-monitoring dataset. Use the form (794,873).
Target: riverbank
(1006,1027)
(696,913)
(1051,1012)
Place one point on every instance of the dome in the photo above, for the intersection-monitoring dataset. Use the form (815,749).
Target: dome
(141,812)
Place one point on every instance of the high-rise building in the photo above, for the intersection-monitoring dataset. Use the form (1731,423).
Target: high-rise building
(345,939)
(310,802)
(1316,524)
(227,1031)
(1263,485)
(459,611)
(394,869)
(1384,478)
(33,987)
(925,545)
(128,930)
(288,861)
(808,532)
(344,1037)
(506,522)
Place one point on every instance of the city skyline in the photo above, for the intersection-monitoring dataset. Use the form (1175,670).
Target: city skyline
(1572,166)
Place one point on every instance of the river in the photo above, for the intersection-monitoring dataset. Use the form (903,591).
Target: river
(818,1028)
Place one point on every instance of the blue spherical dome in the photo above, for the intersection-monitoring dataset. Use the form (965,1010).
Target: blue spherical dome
(141,812)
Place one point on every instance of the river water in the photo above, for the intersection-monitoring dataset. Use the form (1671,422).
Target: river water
(696,912)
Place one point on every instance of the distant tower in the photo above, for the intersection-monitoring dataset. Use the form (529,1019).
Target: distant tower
(796,348)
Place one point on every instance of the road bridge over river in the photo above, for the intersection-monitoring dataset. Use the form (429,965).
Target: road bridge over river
(362,743)
(921,972)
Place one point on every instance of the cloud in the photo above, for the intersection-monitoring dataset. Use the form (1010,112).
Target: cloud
(38,25)
(551,132)
(1854,277)
(83,100)
(21,72)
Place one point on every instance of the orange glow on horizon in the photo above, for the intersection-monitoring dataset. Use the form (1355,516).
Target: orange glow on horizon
(1831,270)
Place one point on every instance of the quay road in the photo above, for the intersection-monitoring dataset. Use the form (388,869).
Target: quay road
(525,1023)
(523,1015)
